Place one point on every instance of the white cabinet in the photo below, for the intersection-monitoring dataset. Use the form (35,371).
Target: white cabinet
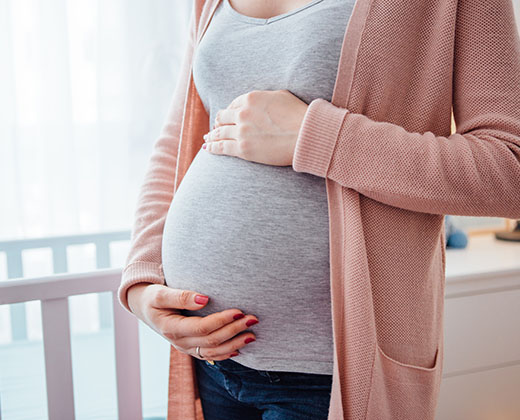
(481,375)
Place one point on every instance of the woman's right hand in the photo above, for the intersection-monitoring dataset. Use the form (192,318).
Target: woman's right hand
(159,307)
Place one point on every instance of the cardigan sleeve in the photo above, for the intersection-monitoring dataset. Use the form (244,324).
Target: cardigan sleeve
(143,262)
(474,171)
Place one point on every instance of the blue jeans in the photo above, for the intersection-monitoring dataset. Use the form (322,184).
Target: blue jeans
(231,391)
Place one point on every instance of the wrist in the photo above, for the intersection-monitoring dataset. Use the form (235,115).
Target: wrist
(134,294)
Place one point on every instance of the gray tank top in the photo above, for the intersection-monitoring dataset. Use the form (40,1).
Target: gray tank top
(261,241)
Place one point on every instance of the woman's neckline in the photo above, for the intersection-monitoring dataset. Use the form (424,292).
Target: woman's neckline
(265,21)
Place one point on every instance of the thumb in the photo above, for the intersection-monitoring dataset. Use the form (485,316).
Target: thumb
(184,299)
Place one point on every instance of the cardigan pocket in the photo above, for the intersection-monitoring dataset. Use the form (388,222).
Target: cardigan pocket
(400,391)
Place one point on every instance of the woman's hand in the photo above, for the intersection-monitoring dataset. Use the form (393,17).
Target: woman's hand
(260,126)
(159,307)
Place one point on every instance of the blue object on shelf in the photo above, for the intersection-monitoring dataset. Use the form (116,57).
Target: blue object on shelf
(455,237)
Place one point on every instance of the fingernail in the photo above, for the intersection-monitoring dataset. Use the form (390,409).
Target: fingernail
(201,299)
(238,316)
(204,146)
(234,354)
(251,322)
(249,340)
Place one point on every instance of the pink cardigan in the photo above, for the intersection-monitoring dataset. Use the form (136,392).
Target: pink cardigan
(393,169)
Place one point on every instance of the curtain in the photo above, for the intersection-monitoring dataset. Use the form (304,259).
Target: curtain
(84,90)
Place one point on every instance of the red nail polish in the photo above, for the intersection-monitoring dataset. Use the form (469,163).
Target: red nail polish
(249,340)
(238,316)
(201,299)
(251,322)
(234,354)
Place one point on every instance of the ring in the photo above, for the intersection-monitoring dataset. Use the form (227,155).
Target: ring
(200,355)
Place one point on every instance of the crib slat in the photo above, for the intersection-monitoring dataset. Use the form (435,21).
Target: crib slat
(59,258)
(128,374)
(102,254)
(105,300)
(58,360)
(17,310)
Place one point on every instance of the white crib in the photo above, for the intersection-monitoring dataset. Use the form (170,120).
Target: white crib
(53,292)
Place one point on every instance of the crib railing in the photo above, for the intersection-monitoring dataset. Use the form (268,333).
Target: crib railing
(58,245)
(53,292)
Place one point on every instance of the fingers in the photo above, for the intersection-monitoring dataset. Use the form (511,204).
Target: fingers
(221,133)
(227,115)
(215,333)
(219,336)
(224,350)
(167,297)
(223,147)
(177,326)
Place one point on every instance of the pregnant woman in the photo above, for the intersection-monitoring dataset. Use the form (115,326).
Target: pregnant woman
(297,268)
(262,244)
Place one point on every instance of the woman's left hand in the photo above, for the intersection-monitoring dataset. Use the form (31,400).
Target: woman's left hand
(260,126)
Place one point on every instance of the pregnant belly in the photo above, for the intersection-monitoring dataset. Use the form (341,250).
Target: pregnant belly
(250,236)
